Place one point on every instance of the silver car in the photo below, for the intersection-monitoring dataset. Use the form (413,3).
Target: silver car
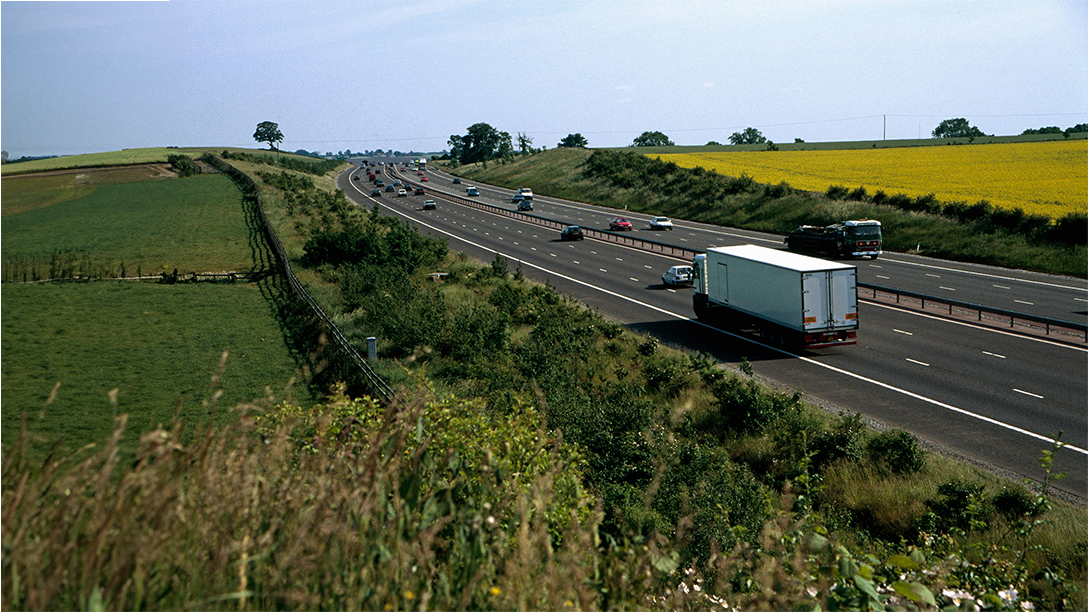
(660,223)
(677,276)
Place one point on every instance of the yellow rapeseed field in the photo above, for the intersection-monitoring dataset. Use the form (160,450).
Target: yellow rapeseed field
(1045,178)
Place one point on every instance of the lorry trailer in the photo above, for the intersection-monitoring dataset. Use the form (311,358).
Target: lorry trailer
(857,238)
(787,298)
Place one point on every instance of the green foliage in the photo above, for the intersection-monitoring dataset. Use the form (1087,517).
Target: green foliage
(183,165)
(269,132)
(897,451)
(287,162)
(571,141)
(956,128)
(479,144)
(652,139)
(749,136)
(744,406)
(287,182)
(394,245)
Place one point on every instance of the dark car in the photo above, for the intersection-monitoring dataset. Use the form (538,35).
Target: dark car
(389,188)
(456,181)
(419,191)
(525,205)
(376,193)
(571,232)
(620,224)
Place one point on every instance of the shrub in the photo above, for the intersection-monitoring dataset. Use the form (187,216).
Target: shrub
(183,165)
(838,192)
(896,451)
(1013,502)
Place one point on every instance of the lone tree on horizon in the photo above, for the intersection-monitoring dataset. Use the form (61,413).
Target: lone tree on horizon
(269,132)
(652,139)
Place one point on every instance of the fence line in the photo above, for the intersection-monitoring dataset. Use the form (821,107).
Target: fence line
(249,187)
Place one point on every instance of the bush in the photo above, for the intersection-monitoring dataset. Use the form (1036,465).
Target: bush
(897,451)
(183,165)
(838,192)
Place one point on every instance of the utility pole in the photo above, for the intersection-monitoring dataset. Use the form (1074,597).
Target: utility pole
(885,127)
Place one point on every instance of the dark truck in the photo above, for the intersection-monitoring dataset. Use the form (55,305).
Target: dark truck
(860,238)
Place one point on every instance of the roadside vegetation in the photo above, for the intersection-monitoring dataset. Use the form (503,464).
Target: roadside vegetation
(539,456)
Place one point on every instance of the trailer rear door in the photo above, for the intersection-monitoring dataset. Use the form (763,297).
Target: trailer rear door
(844,298)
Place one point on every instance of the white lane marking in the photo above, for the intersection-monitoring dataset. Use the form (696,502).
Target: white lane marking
(1002,287)
(576,262)
(1028,393)
(899,331)
(946,288)
(633,278)
(808,360)
(994,276)
(603,270)
(934,275)
(991,330)
(882,276)
(1023,302)
(993,354)
(921,363)
(875,266)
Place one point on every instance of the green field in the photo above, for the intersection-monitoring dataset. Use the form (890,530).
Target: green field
(192,224)
(157,344)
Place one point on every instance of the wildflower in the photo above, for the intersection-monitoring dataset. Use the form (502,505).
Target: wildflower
(495,591)
(957,596)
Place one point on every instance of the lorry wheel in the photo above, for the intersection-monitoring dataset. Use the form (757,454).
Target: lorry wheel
(873,256)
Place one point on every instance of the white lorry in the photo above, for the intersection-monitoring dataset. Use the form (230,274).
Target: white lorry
(787,298)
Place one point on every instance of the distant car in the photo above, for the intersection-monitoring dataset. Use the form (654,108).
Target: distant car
(620,224)
(390,188)
(456,180)
(467,187)
(376,193)
(355,177)
(424,179)
(401,193)
(660,223)
(420,173)
(678,275)
(571,232)
(472,191)
(525,205)
(379,183)
(429,205)
(525,192)
(397,183)
(518,198)
(419,191)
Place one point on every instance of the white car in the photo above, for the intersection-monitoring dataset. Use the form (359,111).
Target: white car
(401,193)
(678,275)
(660,223)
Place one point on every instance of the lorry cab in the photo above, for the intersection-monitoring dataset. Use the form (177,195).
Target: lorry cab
(864,237)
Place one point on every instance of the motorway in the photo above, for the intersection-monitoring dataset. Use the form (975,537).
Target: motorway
(985,394)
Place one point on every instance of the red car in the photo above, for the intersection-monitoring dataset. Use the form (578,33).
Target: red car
(619,224)
(424,179)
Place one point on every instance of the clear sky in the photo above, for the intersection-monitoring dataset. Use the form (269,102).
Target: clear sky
(81,77)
